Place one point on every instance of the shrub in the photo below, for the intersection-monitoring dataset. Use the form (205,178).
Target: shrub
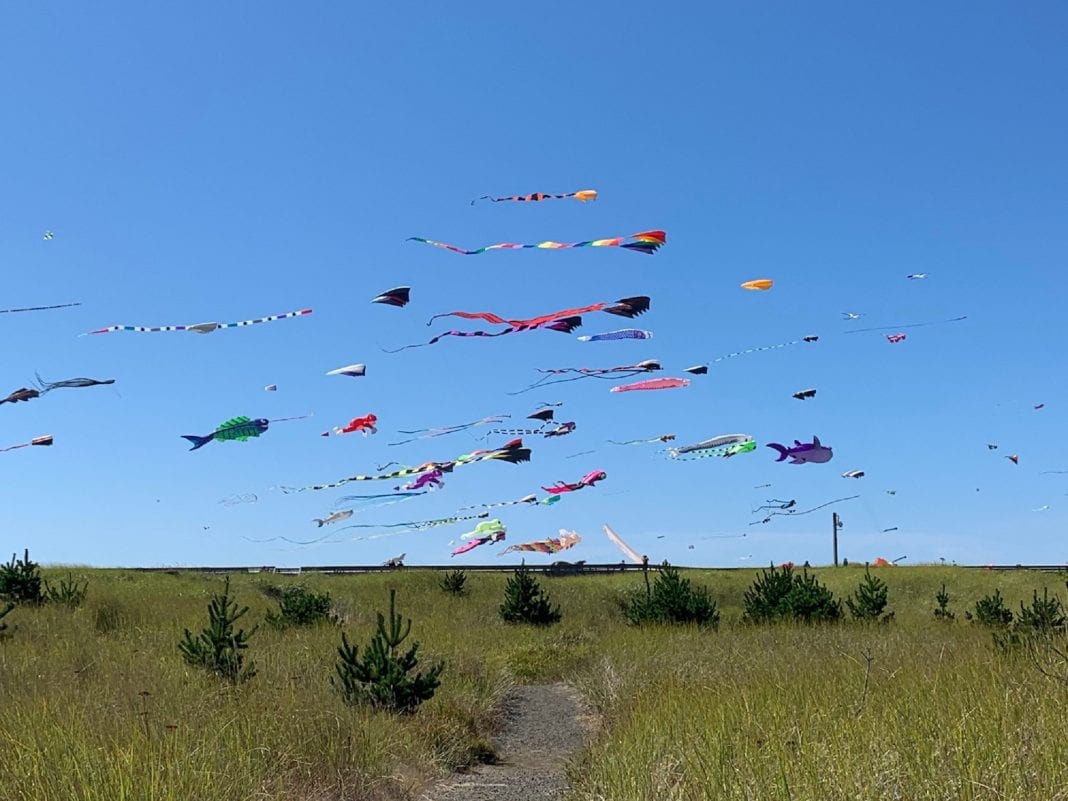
(672,600)
(219,648)
(1045,615)
(299,606)
(870,599)
(454,582)
(812,602)
(782,594)
(990,610)
(3,613)
(381,677)
(943,612)
(526,602)
(70,592)
(20,581)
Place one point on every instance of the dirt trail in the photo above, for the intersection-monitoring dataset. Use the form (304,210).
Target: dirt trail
(543,727)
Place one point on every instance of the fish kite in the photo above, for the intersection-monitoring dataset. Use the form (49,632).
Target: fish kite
(895,338)
(553,376)
(45,441)
(583,194)
(201,328)
(394,297)
(647,242)
(430,433)
(629,552)
(622,333)
(39,308)
(550,545)
(853,474)
(805,393)
(725,445)
(333,518)
(588,480)
(763,284)
(354,370)
(655,383)
(802,453)
(365,425)
(236,429)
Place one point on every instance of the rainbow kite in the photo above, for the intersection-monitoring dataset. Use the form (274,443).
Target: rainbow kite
(645,242)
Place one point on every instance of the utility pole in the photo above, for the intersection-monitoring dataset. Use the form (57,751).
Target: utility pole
(836,523)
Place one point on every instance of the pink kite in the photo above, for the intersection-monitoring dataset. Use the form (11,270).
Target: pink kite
(654,383)
(894,338)
(587,480)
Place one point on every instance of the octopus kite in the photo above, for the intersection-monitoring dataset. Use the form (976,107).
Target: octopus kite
(647,242)
(588,480)
(201,328)
(583,194)
(550,545)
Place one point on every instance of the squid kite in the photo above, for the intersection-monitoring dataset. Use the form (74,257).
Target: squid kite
(562,375)
(365,425)
(588,480)
(654,383)
(201,328)
(39,308)
(725,445)
(430,433)
(394,297)
(353,370)
(236,429)
(584,195)
(629,552)
(647,242)
(44,387)
(622,333)
(763,284)
(46,440)
(566,540)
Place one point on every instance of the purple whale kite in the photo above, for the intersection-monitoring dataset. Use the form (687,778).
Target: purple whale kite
(801,453)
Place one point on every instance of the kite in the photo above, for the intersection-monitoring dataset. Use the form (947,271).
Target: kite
(805,393)
(583,194)
(647,242)
(655,383)
(566,540)
(576,373)
(483,528)
(564,326)
(1038,406)
(661,438)
(201,328)
(853,474)
(43,387)
(725,445)
(39,308)
(588,480)
(789,512)
(851,316)
(629,552)
(622,333)
(430,433)
(910,325)
(239,429)
(45,441)
(234,500)
(271,388)
(895,338)
(354,370)
(1041,508)
(697,369)
(810,338)
(396,561)
(431,478)
(775,503)
(891,492)
(382,498)
(365,425)
(888,530)
(917,276)
(21,394)
(394,297)
(1014,459)
(512,452)
(487,539)
(801,453)
(545,415)
(416,525)
(560,430)
(335,517)
(991,446)
(530,500)
(48,236)
(763,284)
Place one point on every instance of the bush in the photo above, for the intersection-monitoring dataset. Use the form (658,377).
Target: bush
(454,582)
(70,592)
(1045,615)
(20,581)
(3,613)
(990,610)
(381,677)
(780,594)
(870,599)
(299,606)
(525,602)
(811,602)
(942,611)
(672,600)
(219,648)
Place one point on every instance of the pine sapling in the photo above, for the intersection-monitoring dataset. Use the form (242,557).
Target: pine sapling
(767,598)
(70,591)
(943,612)
(990,610)
(672,599)
(20,581)
(870,599)
(526,602)
(454,582)
(219,648)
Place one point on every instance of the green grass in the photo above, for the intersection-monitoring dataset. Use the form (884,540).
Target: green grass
(96,704)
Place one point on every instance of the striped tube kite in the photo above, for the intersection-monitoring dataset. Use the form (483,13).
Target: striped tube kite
(566,540)
(647,242)
(725,445)
(654,383)
(584,195)
(629,552)
(46,440)
(201,328)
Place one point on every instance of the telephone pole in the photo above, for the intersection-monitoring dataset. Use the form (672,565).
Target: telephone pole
(836,523)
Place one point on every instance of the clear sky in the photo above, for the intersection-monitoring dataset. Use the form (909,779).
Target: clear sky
(227,161)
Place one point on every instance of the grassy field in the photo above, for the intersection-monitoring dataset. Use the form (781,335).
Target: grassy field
(96,704)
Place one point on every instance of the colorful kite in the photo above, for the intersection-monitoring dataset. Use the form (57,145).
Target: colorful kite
(802,453)
(550,545)
(432,479)
(353,370)
(577,373)
(201,328)
(805,393)
(725,445)
(483,528)
(655,383)
(530,500)
(629,552)
(895,338)
(396,528)
(430,433)
(583,194)
(39,308)
(394,297)
(647,242)
(46,440)
(487,539)
(622,333)
(763,284)
(365,425)
(588,480)
(236,429)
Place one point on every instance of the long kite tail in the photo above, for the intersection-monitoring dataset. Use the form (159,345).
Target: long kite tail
(200,328)
(564,326)
(45,440)
(583,194)
(647,242)
(39,308)
(624,307)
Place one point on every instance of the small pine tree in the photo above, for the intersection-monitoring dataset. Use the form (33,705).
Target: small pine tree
(767,598)
(299,606)
(672,600)
(381,677)
(870,599)
(812,602)
(70,591)
(990,610)
(526,602)
(20,580)
(1045,615)
(219,648)
(3,613)
(943,612)
(454,582)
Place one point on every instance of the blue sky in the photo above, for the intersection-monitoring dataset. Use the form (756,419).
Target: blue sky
(210,163)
